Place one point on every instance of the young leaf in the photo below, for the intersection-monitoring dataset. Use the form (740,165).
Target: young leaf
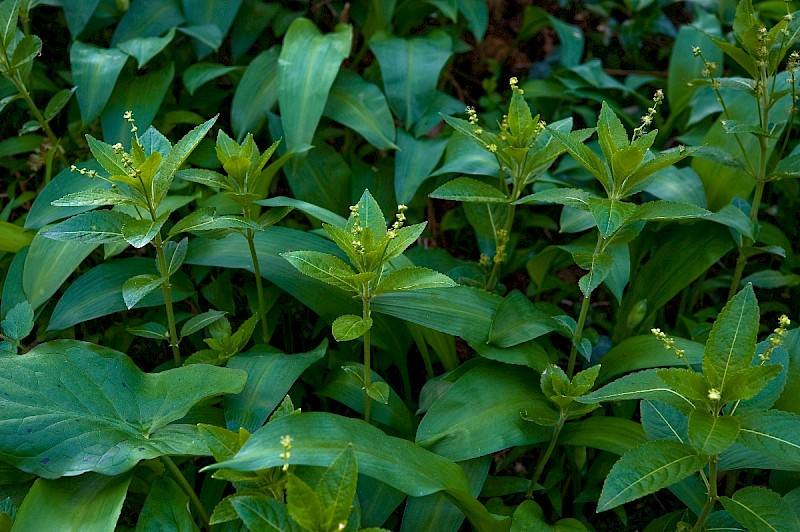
(571,197)
(586,157)
(259,512)
(599,266)
(748,382)
(403,238)
(732,341)
(209,178)
(336,489)
(349,327)
(106,156)
(668,210)
(139,286)
(413,278)
(772,432)
(370,215)
(324,267)
(139,233)
(57,103)
(469,190)
(174,254)
(176,157)
(761,509)
(610,215)
(200,321)
(610,132)
(206,219)
(637,179)
(303,504)
(96,227)
(154,331)
(647,469)
(686,382)
(18,322)
(379,391)
(710,434)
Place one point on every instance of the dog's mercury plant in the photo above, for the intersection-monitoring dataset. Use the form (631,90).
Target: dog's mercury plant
(370,247)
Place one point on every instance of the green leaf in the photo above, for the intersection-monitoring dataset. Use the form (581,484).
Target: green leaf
(206,219)
(256,93)
(93,198)
(362,107)
(349,327)
(571,197)
(518,321)
(686,382)
(732,341)
(135,288)
(48,264)
(634,182)
(308,65)
(199,74)
(143,49)
(711,434)
(259,512)
(324,267)
(120,411)
(412,278)
(174,255)
(461,430)
(599,266)
(18,322)
(370,215)
(747,383)
(477,14)
(154,331)
(410,71)
(200,321)
(611,133)
(758,508)
(379,391)
(585,156)
(640,385)
(176,157)
(26,51)
(404,237)
(414,163)
(96,227)
(469,190)
(647,469)
(94,74)
(313,211)
(668,210)
(86,502)
(320,437)
(610,215)
(13,237)
(303,504)
(612,434)
(139,233)
(166,508)
(337,488)
(772,432)
(270,375)
(9,14)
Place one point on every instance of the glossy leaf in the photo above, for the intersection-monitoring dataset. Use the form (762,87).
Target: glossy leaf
(349,327)
(518,321)
(647,469)
(143,49)
(199,74)
(94,73)
(470,190)
(48,264)
(710,434)
(361,106)
(256,94)
(200,321)
(414,163)
(612,434)
(135,288)
(150,20)
(308,65)
(136,409)
(413,278)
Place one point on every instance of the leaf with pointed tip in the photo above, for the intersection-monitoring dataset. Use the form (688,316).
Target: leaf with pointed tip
(469,190)
(92,198)
(732,341)
(337,488)
(94,73)
(412,278)
(349,327)
(139,233)
(599,266)
(370,215)
(640,385)
(200,321)
(668,210)
(210,178)
(772,432)
(571,197)
(747,383)
(361,106)
(379,391)
(117,417)
(18,322)
(710,434)
(585,156)
(647,469)
(259,512)
(174,254)
(303,504)
(634,182)
(139,286)
(206,219)
(686,382)
(610,132)
(96,227)
(758,508)
(176,157)
(403,238)
(9,15)
(610,215)
(324,267)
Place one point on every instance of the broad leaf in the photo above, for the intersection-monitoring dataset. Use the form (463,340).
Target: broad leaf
(732,341)
(337,488)
(303,504)
(710,434)
(166,508)
(518,321)
(585,156)
(640,385)
(647,469)
(48,264)
(361,106)
(761,509)
(259,512)
(256,93)
(599,266)
(18,322)
(609,215)
(571,197)
(414,163)
(96,227)
(139,233)
(327,268)
(116,416)
(668,210)
(772,432)
(412,278)
(136,288)
(470,190)
(143,49)
(350,327)
(94,74)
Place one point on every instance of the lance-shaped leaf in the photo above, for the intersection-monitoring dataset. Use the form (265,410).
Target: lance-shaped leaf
(772,432)
(710,434)
(585,156)
(136,288)
(303,504)
(747,383)
(201,321)
(71,407)
(350,327)
(640,385)
(176,157)
(325,267)
(412,278)
(761,509)
(93,197)
(258,512)
(599,266)
(647,469)
(166,507)
(370,216)
(668,210)
(469,190)
(209,178)
(610,132)
(206,219)
(609,215)
(96,227)
(403,237)
(139,233)
(337,488)
(320,437)
(732,341)
(571,197)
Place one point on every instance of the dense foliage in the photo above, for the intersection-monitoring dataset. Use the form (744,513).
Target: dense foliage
(399,264)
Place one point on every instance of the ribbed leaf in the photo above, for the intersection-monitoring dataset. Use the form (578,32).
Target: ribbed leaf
(640,385)
(361,106)
(326,268)
(350,327)
(412,278)
(176,157)
(668,210)
(710,434)
(761,509)
(610,215)
(772,432)
(571,197)
(96,227)
(94,74)
(470,190)
(136,288)
(585,156)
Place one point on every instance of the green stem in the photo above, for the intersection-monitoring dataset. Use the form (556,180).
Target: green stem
(545,456)
(712,495)
(515,193)
(187,489)
(573,352)
(741,261)
(259,286)
(51,136)
(367,364)
(166,289)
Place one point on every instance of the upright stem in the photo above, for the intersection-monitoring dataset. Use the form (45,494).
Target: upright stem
(51,136)
(187,489)
(573,352)
(712,495)
(166,289)
(545,456)
(259,286)
(367,363)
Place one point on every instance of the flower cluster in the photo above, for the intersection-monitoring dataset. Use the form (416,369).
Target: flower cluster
(776,339)
(357,229)
(669,343)
(286,442)
(647,119)
(400,220)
